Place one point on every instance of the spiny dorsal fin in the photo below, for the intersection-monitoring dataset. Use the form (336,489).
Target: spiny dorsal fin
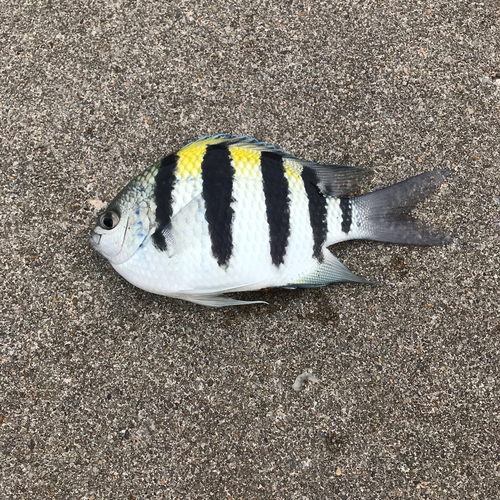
(332,180)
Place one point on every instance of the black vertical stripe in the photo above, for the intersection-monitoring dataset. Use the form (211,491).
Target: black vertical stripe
(218,173)
(317,211)
(346,208)
(277,198)
(165,179)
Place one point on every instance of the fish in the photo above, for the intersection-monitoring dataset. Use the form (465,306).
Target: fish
(231,214)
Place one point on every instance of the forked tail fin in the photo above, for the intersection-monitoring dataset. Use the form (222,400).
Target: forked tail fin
(383,215)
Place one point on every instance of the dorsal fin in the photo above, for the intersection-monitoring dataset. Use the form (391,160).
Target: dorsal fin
(340,180)
(242,141)
(332,180)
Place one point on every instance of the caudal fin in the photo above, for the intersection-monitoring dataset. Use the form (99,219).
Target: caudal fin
(383,215)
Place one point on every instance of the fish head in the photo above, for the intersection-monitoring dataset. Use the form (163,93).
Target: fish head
(121,229)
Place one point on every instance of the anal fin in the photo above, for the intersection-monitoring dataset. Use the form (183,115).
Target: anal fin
(331,270)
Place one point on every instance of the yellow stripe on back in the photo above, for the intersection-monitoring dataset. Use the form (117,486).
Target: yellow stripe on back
(191,156)
(246,161)
(293,170)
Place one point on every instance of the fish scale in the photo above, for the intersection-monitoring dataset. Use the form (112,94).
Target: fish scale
(228,214)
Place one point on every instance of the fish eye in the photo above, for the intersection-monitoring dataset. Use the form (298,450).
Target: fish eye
(109,220)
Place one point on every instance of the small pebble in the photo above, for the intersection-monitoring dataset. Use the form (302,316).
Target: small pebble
(301,379)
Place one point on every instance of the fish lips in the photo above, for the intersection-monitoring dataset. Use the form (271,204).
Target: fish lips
(94,239)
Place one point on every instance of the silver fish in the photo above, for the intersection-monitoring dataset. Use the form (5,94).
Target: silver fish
(228,214)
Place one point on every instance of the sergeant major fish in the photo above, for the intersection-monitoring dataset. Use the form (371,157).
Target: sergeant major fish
(228,214)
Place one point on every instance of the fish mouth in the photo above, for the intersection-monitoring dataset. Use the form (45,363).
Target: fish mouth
(94,239)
